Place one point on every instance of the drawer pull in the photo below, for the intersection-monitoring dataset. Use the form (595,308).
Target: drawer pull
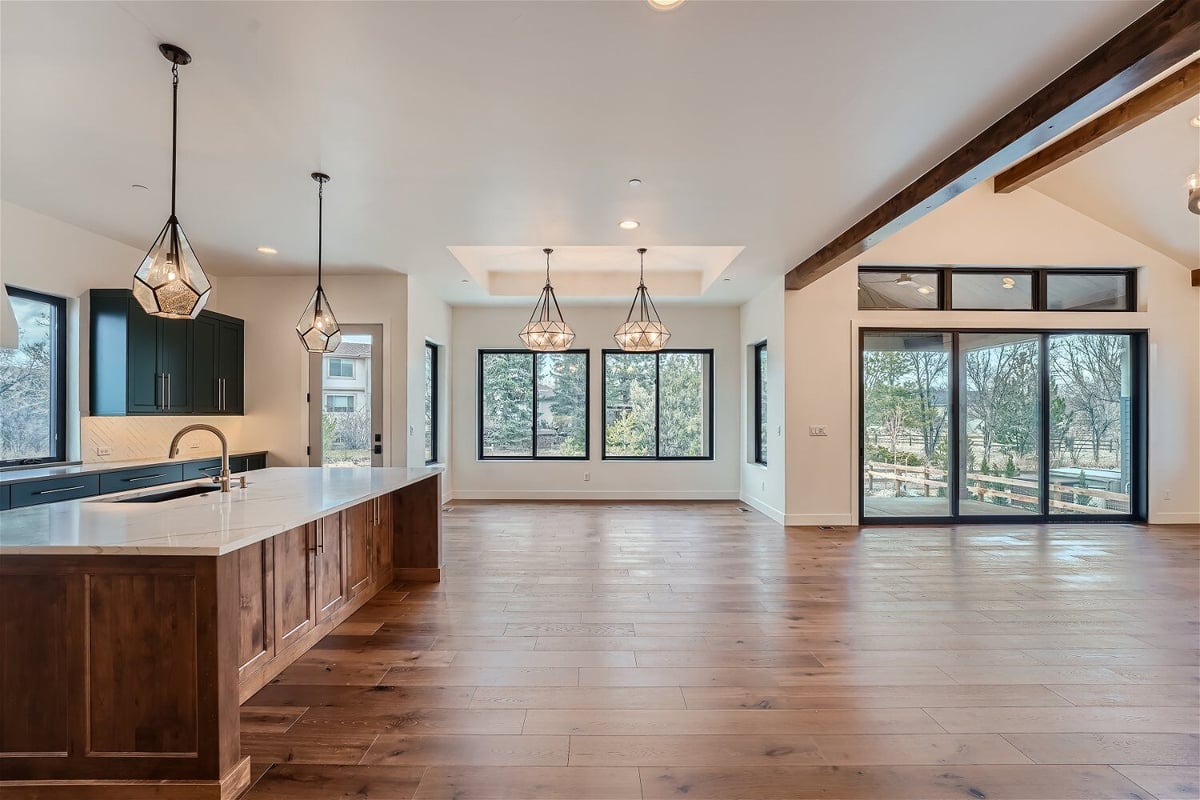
(143,477)
(210,469)
(55,491)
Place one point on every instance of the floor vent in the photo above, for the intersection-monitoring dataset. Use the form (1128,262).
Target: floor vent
(743,509)
(831,528)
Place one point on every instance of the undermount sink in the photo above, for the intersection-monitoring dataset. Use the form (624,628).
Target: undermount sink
(170,494)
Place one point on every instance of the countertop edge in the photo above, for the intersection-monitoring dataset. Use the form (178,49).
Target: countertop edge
(99,467)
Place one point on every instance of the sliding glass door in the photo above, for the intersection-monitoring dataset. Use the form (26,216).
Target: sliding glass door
(1001,425)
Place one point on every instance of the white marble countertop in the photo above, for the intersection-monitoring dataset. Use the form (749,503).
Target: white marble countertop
(275,500)
(36,473)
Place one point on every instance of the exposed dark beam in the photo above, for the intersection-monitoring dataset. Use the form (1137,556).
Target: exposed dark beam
(1165,37)
(1145,105)
(1196,277)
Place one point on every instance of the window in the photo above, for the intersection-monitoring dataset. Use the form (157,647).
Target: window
(658,405)
(996,289)
(533,405)
(431,402)
(339,403)
(33,410)
(760,403)
(340,367)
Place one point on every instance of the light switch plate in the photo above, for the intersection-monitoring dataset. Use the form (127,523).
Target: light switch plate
(817,430)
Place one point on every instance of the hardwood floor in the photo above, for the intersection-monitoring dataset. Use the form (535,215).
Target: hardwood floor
(694,650)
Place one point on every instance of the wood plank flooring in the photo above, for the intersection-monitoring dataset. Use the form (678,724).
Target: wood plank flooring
(693,650)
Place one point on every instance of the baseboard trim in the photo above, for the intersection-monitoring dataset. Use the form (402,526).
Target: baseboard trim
(1175,518)
(573,494)
(812,520)
(769,511)
(230,786)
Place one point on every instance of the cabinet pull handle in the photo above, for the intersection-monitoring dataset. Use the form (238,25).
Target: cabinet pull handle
(143,477)
(210,469)
(222,394)
(160,398)
(56,491)
(167,383)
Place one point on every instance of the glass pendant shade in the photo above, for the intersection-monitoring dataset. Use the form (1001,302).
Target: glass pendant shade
(547,331)
(645,332)
(170,282)
(1193,187)
(317,328)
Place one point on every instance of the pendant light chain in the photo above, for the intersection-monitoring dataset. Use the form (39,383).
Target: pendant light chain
(174,130)
(320,225)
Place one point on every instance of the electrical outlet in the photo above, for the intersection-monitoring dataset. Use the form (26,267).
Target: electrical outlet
(1167,494)
(587,476)
(103,451)
(817,430)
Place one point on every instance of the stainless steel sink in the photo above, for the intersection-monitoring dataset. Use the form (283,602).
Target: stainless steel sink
(170,494)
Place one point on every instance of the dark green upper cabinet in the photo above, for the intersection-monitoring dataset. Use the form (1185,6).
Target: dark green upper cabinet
(217,348)
(146,365)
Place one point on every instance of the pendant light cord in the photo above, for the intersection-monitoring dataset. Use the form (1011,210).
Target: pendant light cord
(174,129)
(320,226)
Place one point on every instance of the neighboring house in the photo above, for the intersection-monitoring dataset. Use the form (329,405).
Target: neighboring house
(347,378)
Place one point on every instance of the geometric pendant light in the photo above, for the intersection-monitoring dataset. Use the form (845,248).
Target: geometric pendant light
(318,329)
(170,282)
(646,332)
(547,331)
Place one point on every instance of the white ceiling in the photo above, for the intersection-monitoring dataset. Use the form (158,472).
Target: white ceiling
(764,125)
(1135,184)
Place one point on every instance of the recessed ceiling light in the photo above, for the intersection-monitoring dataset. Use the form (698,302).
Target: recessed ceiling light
(628,224)
(268,251)
(464,280)
(1195,121)
(664,5)
(635,181)
(139,186)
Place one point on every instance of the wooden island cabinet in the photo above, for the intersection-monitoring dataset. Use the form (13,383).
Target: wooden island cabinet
(121,675)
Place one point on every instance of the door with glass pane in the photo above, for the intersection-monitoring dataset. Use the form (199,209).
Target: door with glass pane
(345,403)
(906,441)
(993,425)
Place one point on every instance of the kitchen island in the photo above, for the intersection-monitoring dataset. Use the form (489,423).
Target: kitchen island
(130,632)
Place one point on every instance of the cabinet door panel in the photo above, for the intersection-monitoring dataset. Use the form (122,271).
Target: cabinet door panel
(205,387)
(329,576)
(36,673)
(256,634)
(229,367)
(293,574)
(144,386)
(359,523)
(174,361)
(381,535)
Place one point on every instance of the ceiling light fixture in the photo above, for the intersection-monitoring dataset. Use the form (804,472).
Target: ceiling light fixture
(547,331)
(170,282)
(628,224)
(646,333)
(1008,283)
(635,181)
(1194,121)
(664,5)
(317,328)
(268,251)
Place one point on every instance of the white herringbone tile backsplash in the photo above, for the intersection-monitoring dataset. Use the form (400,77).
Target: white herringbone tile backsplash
(129,438)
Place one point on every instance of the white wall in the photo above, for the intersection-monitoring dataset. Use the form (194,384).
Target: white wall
(691,326)
(277,365)
(428,320)
(1022,228)
(764,487)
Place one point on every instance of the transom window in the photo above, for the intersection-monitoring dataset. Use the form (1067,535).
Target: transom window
(33,409)
(997,289)
(658,405)
(533,405)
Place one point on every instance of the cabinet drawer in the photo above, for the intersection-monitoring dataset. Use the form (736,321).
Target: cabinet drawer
(127,479)
(4,498)
(35,493)
(237,464)
(256,461)
(207,468)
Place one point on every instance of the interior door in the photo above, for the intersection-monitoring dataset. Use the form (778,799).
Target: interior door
(345,401)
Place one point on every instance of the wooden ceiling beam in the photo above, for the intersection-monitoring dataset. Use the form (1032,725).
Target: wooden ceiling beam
(1177,87)
(1165,37)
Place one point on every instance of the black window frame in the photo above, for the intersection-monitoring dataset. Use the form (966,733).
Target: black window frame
(759,350)
(945,293)
(431,349)
(710,399)
(58,377)
(587,405)
(1139,490)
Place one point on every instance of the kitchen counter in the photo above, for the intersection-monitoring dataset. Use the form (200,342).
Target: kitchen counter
(36,473)
(275,500)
